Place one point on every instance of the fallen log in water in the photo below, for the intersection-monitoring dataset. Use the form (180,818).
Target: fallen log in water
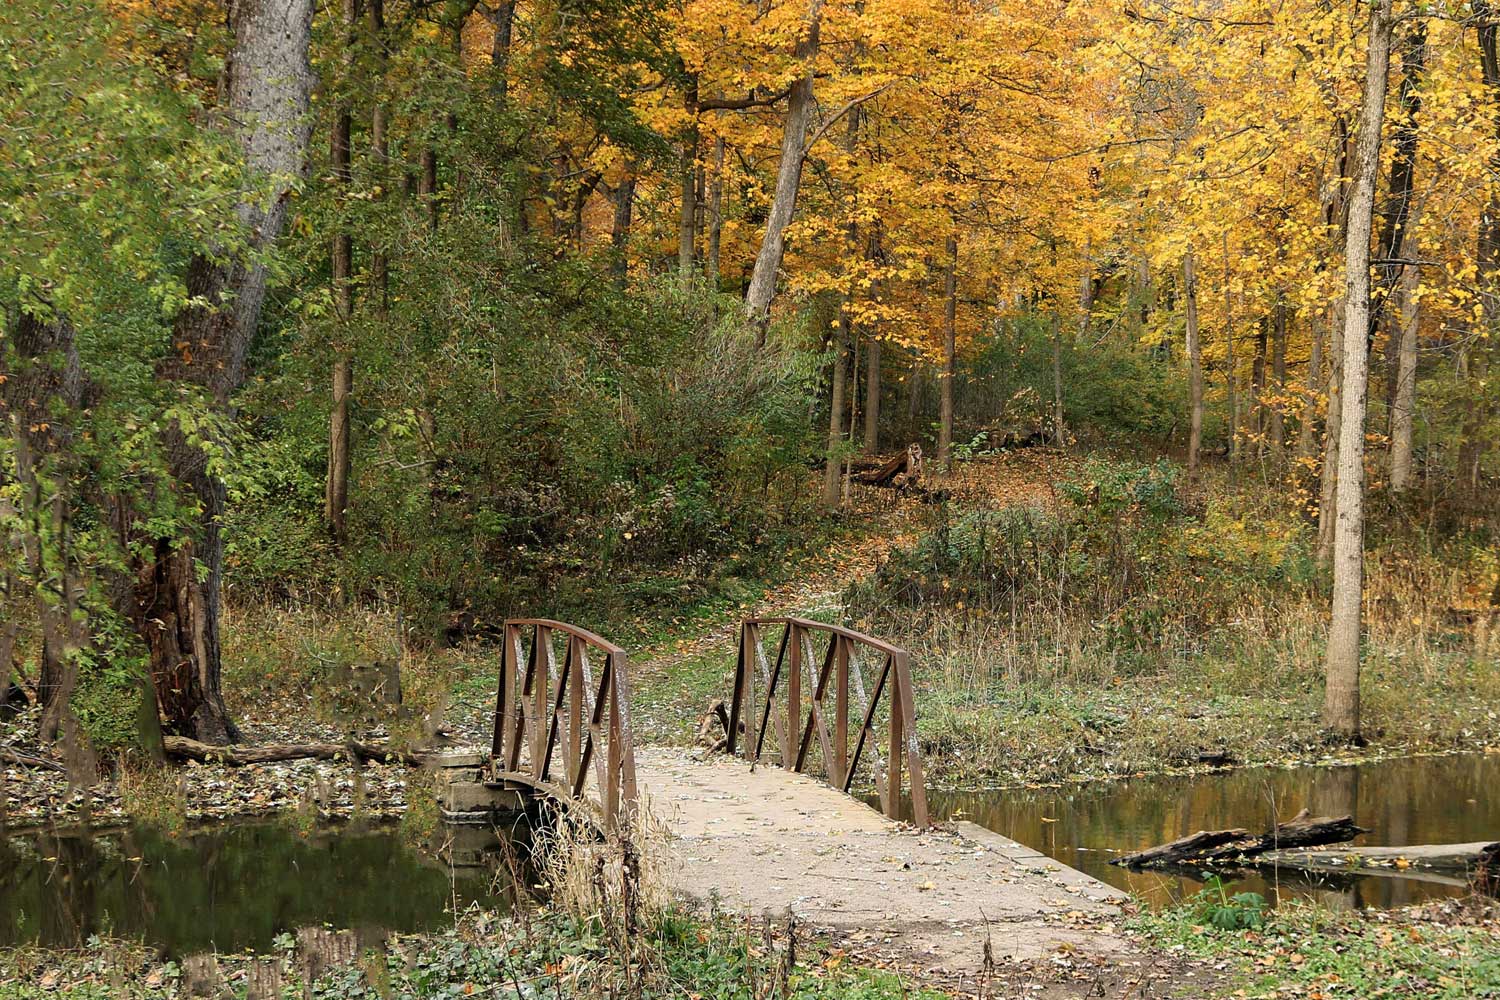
(1457,858)
(1216,846)
(239,756)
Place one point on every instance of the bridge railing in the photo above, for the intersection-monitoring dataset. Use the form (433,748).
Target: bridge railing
(792,705)
(555,726)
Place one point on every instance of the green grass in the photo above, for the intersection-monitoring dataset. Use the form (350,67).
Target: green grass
(1304,950)
(546,954)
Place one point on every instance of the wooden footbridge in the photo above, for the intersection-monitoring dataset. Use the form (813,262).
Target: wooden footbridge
(562,714)
(779,822)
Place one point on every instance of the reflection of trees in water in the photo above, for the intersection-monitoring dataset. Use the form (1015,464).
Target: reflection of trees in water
(1413,800)
(226,888)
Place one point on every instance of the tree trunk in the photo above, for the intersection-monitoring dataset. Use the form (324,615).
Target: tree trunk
(336,483)
(619,233)
(833,462)
(1230,372)
(872,396)
(39,395)
(687,167)
(1307,431)
(1404,407)
(380,155)
(176,608)
(1195,366)
(1280,318)
(788,178)
(1396,211)
(950,356)
(1341,704)
(1259,420)
(504,18)
(715,215)
(1332,433)
(1473,443)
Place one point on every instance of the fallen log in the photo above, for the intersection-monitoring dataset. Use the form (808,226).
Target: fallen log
(1214,846)
(1457,858)
(239,756)
(30,760)
(1182,849)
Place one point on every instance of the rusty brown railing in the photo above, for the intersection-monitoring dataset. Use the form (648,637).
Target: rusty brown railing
(803,709)
(542,710)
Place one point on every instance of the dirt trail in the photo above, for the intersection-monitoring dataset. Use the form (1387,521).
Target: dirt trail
(886,520)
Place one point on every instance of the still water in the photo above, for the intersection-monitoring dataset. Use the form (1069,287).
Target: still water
(228,888)
(1414,800)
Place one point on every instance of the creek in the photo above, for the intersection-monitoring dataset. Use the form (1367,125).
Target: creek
(1403,801)
(233,886)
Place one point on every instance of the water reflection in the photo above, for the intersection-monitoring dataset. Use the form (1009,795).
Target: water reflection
(1419,800)
(236,886)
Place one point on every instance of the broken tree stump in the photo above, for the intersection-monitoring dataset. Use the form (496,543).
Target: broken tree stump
(1216,846)
(903,470)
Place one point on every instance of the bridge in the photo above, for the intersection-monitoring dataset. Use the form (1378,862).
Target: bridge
(780,820)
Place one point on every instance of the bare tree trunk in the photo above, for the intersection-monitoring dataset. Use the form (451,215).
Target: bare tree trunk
(1473,442)
(872,396)
(176,607)
(1259,419)
(336,484)
(380,154)
(1280,320)
(715,214)
(1404,407)
(1059,423)
(1341,700)
(832,463)
(788,178)
(1195,366)
(950,356)
(1332,434)
(687,167)
(1396,217)
(1307,433)
(619,233)
(1231,371)
(504,17)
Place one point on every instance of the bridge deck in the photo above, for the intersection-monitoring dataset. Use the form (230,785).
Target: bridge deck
(771,839)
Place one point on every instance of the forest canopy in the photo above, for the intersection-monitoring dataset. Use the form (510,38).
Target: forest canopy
(469,306)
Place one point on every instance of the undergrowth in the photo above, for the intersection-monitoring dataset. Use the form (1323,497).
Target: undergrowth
(1308,951)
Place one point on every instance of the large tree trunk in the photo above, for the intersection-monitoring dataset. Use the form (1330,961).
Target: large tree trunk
(1195,366)
(788,178)
(336,484)
(176,609)
(42,391)
(950,356)
(1341,702)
